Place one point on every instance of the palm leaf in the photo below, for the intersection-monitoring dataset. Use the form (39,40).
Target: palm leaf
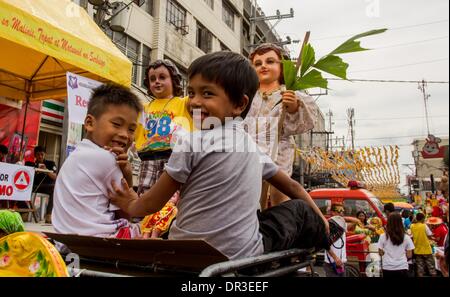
(351,45)
(308,59)
(312,79)
(333,65)
(290,74)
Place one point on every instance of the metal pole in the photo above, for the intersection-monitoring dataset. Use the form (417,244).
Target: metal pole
(422,87)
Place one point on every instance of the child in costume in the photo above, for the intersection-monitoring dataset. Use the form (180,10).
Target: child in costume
(263,120)
(81,205)
(219,170)
(162,118)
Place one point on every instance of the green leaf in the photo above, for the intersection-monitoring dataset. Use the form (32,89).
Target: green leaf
(289,74)
(312,79)
(333,65)
(40,256)
(352,45)
(308,59)
(6,247)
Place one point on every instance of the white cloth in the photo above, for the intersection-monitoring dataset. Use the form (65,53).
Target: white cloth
(81,203)
(339,248)
(262,125)
(395,256)
(221,189)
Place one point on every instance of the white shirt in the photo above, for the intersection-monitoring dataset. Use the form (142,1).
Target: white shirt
(395,256)
(339,248)
(81,203)
(221,189)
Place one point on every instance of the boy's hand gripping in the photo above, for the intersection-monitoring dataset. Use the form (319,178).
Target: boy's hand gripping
(122,161)
(124,197)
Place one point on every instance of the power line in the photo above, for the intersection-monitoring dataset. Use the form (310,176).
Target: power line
(400,66)
(386,81)
(410,43)
(409,136)
(394,28)
(398,118)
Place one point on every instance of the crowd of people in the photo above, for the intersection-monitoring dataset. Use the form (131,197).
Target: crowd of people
(216,166)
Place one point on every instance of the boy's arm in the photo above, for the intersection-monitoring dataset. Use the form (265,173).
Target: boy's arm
(123,163)
(150,202)
(292,189)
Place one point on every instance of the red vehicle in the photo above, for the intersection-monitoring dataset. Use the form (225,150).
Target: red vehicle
(355,198)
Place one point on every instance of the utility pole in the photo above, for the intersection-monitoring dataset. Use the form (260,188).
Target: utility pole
(330,129)
(423,88)
(351,122)
(278,17)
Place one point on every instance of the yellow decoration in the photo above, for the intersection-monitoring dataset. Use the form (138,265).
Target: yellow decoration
(27,254)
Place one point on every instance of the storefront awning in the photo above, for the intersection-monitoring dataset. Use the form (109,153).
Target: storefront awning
(40,40)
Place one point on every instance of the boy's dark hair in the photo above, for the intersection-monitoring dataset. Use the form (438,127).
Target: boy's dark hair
(39,149)
(232,71)
(3,149)
(112,94)
(389,207)
(174,75)
(268,47)
(420,217)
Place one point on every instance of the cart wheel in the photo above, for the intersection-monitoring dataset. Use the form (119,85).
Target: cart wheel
(352,271)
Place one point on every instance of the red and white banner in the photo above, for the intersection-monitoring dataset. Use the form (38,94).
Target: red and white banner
(16,182)
(79,91)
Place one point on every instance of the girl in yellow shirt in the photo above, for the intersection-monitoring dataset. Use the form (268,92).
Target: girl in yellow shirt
(163,117)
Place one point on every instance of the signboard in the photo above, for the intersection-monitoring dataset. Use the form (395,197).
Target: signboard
(79,90)
(16,182)
(432,149)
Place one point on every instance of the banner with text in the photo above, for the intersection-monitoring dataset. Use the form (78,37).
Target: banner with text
(16,182)
(79,90)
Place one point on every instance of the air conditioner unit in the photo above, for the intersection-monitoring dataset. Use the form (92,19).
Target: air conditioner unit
(121,17)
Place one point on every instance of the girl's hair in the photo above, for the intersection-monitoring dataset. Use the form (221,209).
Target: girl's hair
(365,216)
(395,231)
(267,47)
(174,75)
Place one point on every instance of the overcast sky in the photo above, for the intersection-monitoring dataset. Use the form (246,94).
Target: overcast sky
(416,48)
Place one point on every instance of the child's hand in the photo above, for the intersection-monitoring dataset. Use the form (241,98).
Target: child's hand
(122,161)
(290,101)
(125,198)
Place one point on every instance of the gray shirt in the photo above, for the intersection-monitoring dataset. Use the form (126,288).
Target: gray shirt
(221,171)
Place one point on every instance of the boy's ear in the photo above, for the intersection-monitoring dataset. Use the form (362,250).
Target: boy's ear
(239,109)
(89,122)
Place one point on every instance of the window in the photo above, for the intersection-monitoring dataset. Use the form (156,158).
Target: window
(210,3)
(324,205)
(228,15)
(204,38)
(147,6)
(176,15)
(146,57)
(130,48)
(353,206)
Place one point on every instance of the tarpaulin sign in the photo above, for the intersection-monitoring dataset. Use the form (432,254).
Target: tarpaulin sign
(16,182)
